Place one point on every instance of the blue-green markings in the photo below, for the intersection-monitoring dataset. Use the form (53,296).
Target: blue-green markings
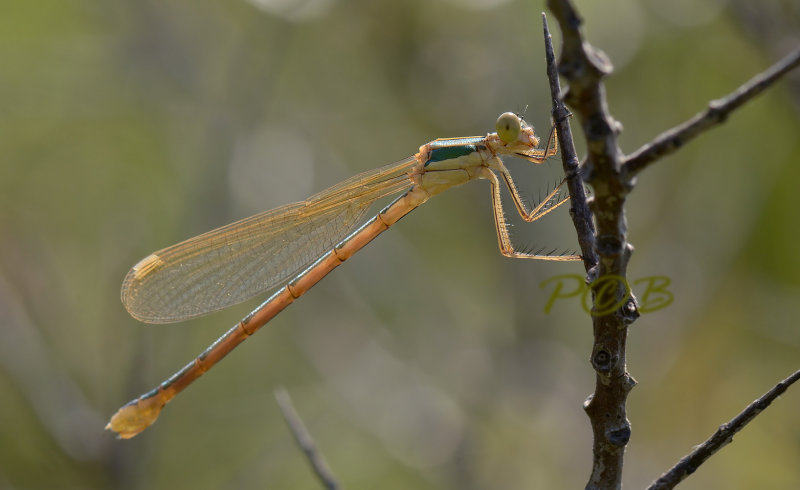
(449,153)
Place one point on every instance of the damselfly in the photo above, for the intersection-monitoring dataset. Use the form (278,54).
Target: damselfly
(294,246)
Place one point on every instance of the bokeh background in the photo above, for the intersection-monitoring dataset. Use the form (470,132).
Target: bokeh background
(428,361)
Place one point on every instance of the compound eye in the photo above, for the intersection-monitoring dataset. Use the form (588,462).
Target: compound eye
(508,127)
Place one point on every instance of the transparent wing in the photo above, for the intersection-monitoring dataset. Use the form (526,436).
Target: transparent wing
(240,260)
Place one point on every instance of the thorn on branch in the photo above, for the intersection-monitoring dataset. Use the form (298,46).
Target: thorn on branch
(580,212)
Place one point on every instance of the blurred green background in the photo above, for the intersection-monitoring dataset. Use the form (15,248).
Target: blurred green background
(428,361)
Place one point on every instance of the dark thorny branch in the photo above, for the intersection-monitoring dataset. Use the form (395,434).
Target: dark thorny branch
(584,67)
(721,437)
(605,248)
(305,441)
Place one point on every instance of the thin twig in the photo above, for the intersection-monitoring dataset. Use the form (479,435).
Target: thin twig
(717,111)
(722,437)
(304,440)
(580,212)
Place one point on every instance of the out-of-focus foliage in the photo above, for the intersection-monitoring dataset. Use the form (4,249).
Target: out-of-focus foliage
(428,360)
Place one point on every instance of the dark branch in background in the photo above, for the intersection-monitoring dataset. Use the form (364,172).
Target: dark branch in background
(579,211)
(722,437)
(304,440)
(717,111)
(584,68)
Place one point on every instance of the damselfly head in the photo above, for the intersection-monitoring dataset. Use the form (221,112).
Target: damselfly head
(508,126)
